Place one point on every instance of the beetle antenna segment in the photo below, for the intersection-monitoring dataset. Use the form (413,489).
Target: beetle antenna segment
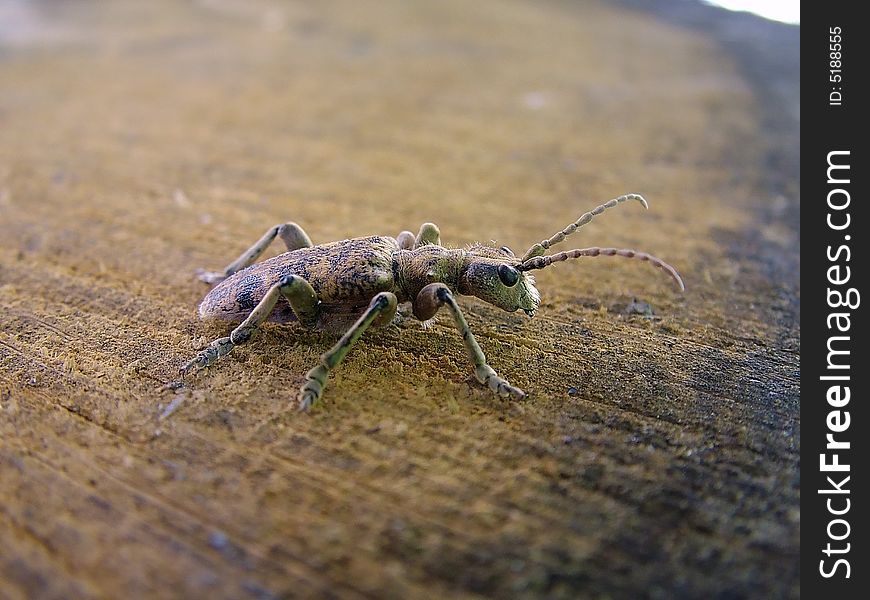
(540,262)
(539,248)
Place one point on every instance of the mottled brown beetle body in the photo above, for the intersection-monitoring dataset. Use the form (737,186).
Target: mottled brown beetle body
(346,275)
(362,280)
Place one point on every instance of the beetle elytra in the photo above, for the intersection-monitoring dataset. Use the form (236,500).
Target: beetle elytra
(358,283)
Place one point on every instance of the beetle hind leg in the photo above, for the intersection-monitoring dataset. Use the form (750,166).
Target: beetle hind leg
(293,236)
(380,311)
(298,292)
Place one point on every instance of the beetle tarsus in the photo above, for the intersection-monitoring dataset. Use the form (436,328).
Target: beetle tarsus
(210,277)
(315,381)
(380,311)
(487,376)
(219,347)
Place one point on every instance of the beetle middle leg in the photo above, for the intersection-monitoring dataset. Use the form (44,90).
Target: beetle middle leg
(426,304)
(380,311)
(406,240)
(293,236)
(429,234)
(298,292)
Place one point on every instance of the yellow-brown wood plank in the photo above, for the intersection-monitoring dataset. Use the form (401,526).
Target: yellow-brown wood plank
(655,456)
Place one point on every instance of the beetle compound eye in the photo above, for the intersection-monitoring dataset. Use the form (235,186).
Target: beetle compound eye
(508,275)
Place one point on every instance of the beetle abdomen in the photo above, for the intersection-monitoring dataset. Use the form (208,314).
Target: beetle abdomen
(236,296)
(346,275)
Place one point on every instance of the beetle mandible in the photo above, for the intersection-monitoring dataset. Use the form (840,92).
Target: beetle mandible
(360,282)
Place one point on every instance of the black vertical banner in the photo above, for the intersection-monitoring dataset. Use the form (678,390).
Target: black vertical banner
(835,423)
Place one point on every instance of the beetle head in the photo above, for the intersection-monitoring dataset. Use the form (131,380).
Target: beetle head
(492,274)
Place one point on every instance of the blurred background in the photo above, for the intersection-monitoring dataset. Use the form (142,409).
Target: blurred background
(657,454)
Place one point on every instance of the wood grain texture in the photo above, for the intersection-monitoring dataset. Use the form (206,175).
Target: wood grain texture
(657,454)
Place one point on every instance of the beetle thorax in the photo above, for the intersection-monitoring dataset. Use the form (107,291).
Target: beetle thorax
(488,273)
(415,269)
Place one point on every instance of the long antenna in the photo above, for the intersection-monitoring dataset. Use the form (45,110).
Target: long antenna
(541,262)
(539,248)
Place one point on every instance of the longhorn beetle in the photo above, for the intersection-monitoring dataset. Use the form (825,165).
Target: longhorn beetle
(359,282)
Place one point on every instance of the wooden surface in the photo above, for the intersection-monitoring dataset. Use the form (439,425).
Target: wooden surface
(656,455)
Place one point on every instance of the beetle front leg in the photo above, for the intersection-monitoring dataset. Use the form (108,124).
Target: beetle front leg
(380,311)
(302,298)
(429,234)
(426,304)
(293,236)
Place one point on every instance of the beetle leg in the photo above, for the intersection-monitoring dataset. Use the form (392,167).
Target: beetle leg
(426,304)
(380,311)
(293,236)
(406,240)
(302,298)
(429,234)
